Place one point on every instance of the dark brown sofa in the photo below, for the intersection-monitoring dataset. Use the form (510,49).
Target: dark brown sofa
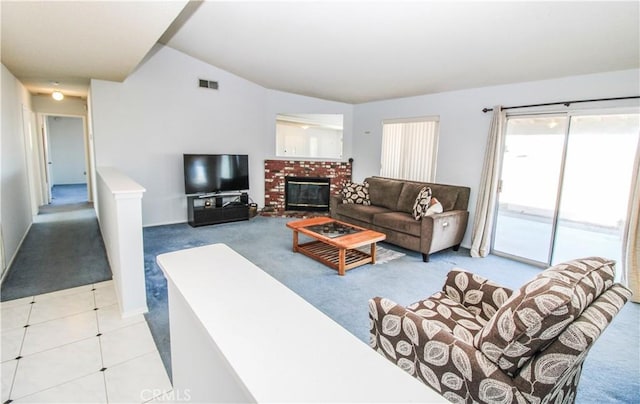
(391,211)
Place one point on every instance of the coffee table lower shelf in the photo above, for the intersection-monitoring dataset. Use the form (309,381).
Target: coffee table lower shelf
(330,255)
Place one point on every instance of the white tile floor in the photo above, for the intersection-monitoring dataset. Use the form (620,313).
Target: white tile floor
(72,346)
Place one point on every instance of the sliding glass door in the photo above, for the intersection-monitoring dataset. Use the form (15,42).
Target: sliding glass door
(598,170)
(565,186)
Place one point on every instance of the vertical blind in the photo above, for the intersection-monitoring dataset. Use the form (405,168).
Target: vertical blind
(409,149)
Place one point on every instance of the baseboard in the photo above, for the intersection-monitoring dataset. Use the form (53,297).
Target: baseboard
(6,271)
(164,223)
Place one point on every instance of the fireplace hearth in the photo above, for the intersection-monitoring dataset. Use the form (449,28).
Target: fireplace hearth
(307,193)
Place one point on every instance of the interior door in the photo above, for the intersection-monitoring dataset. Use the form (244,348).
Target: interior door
(47,158)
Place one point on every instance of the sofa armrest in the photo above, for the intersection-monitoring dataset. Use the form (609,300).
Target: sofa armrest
(479,295)
(443,230)
(334,201)
(385,331)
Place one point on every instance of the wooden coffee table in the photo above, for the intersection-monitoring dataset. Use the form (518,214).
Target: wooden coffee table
(333,248)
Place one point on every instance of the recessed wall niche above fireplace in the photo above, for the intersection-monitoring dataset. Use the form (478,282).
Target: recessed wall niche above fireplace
(307,193)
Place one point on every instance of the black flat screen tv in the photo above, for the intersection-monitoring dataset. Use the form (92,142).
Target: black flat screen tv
(211,173)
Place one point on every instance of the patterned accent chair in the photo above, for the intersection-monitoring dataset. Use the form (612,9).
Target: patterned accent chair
(476,341)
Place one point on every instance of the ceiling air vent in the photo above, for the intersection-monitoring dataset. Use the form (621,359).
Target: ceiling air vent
(208,84)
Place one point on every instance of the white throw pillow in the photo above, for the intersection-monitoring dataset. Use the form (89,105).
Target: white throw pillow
(435,207)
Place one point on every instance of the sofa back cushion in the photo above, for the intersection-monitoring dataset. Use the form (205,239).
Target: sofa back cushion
(408,195)
(385,192)
(541,309)
(452,197)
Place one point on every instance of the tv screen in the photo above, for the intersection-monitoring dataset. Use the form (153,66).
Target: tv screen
(208,173)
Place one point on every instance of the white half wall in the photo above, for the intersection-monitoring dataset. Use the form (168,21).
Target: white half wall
(464,127)
(143,125)
(120,217)
(15,199)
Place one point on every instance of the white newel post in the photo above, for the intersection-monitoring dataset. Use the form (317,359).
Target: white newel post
(120,218)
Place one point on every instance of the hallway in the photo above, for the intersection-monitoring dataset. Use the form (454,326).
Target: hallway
(63,337)
(63,249)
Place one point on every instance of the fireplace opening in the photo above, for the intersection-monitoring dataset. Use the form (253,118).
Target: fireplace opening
(307,193)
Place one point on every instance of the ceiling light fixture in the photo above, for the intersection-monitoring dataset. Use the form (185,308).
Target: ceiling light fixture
(57,95)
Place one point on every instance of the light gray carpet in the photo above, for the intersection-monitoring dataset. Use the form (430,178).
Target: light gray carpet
(611,372)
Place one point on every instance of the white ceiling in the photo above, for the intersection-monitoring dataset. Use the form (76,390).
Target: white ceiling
(72,42)
(354,51)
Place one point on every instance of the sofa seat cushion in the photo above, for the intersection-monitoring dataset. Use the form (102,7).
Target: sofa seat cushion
(449,315)
(363,213)
(398,221)
(541,309)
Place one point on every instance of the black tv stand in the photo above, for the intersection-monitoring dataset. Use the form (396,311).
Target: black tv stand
(217,208)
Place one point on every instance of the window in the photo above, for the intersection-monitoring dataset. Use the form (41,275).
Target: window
(409,148)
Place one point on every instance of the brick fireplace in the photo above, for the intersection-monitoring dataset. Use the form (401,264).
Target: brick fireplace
(275,171)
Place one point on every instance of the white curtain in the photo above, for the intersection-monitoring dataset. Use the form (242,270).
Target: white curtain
(409,149)
(488,192)
(631,267)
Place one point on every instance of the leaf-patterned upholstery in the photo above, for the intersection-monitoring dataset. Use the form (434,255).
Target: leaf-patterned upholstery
(541,309)
(436,342)
(449,315)
(479,295)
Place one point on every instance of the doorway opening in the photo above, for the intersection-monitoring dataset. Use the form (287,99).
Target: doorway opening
(66,162)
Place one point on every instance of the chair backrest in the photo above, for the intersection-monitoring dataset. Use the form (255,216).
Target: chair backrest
(534,315)
(553,374)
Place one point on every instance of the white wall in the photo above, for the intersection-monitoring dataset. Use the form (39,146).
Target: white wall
(143,125)
(66,150)
(15,203)
(45,106)
(42,103)
(463,125)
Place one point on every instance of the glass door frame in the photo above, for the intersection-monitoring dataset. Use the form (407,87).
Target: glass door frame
(556,214)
